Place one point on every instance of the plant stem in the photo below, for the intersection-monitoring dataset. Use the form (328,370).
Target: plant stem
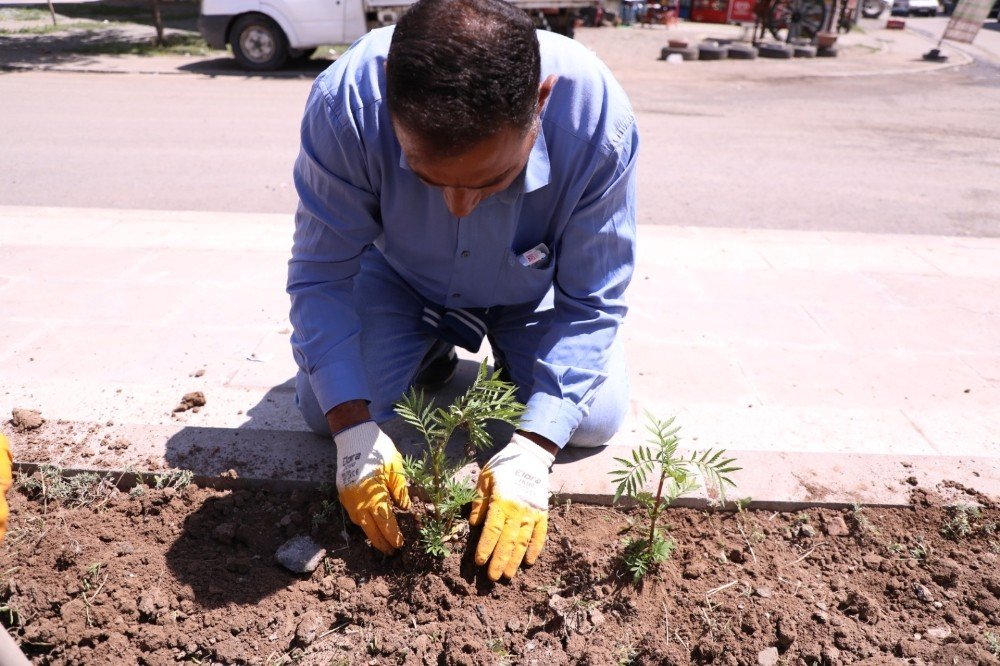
(655,513)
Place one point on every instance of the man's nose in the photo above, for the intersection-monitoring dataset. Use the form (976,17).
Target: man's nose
(460,201)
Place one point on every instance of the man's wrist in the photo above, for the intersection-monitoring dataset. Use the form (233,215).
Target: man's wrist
(347,415)
(546,444)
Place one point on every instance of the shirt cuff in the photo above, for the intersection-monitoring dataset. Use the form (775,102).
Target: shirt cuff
(337,383)
(555,419)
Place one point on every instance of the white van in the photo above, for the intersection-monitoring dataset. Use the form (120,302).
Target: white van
(265,34)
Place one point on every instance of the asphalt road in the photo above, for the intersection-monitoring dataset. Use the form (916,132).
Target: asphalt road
(906,153)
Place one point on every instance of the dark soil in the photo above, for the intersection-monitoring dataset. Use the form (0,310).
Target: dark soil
(189,576)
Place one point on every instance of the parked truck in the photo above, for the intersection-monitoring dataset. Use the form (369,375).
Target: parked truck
(266,34)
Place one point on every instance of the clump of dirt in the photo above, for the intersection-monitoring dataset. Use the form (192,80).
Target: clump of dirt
(26,419)
(193,401)
(160,576)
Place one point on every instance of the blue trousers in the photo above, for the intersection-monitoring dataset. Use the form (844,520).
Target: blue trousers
(393,347)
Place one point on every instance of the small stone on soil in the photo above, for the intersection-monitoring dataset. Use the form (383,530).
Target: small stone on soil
(836,527)
(806,530)
(26,419)
(308,628)
(764,592)
(768,657)
(939,633)
(300,554)
(923,593)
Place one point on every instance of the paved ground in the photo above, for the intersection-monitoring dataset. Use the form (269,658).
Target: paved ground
(763,144)
(835,364)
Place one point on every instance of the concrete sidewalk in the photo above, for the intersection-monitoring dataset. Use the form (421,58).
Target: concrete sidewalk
(835,366)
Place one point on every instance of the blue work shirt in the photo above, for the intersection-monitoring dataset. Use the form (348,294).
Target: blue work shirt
(576,194)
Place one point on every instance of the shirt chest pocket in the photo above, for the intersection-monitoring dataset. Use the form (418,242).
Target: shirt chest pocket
(517,283)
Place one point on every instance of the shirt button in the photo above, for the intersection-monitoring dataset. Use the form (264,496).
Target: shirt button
(456,295)
(465,254)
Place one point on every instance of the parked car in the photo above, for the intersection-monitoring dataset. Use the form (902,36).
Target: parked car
(915,8)
(874,8)
(265,34)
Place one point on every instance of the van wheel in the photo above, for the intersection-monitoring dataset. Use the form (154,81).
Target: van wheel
(258,43)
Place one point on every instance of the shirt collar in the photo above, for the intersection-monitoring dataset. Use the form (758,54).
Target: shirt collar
(536,173)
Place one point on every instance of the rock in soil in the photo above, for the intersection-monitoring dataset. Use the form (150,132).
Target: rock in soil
(836,527)
(300,554)
(26,419)
(308,628)
(768,657)
(194,400)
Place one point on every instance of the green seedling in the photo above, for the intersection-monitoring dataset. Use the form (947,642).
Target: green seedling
(921,550)
(961,520)
(675,476)
(861,519)
(433,473)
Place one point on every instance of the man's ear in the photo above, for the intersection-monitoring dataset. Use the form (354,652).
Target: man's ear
(544,90)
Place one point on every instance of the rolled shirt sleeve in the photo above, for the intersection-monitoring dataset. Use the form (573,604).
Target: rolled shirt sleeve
(337,219)
(595,260)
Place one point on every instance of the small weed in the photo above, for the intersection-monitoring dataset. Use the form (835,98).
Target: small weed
(91,580)
(501,655)
(861,520)
(677,476)
(626,655)
(742,504)
(178,479)
(993,643)
(961,521)
(48,484)
(322,517)
(921,550)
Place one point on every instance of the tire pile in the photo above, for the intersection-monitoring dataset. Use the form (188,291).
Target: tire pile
(722,49)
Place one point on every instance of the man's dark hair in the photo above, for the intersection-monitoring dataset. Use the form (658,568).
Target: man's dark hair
(460,70)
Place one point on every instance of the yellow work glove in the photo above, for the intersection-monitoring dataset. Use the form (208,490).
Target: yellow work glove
(6,469)
(513,497)
(369,478)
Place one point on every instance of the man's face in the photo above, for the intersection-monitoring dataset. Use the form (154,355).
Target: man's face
(467,179)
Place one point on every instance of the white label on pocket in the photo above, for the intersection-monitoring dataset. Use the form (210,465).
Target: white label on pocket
(534,256)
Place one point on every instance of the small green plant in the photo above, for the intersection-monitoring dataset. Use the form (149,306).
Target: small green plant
(993,643)
(91,580)
(675,476)
(322,517)
(961,520)
(501,655)
(49,484)
(178,479)
(921,550)
(861,519)
(433,473)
